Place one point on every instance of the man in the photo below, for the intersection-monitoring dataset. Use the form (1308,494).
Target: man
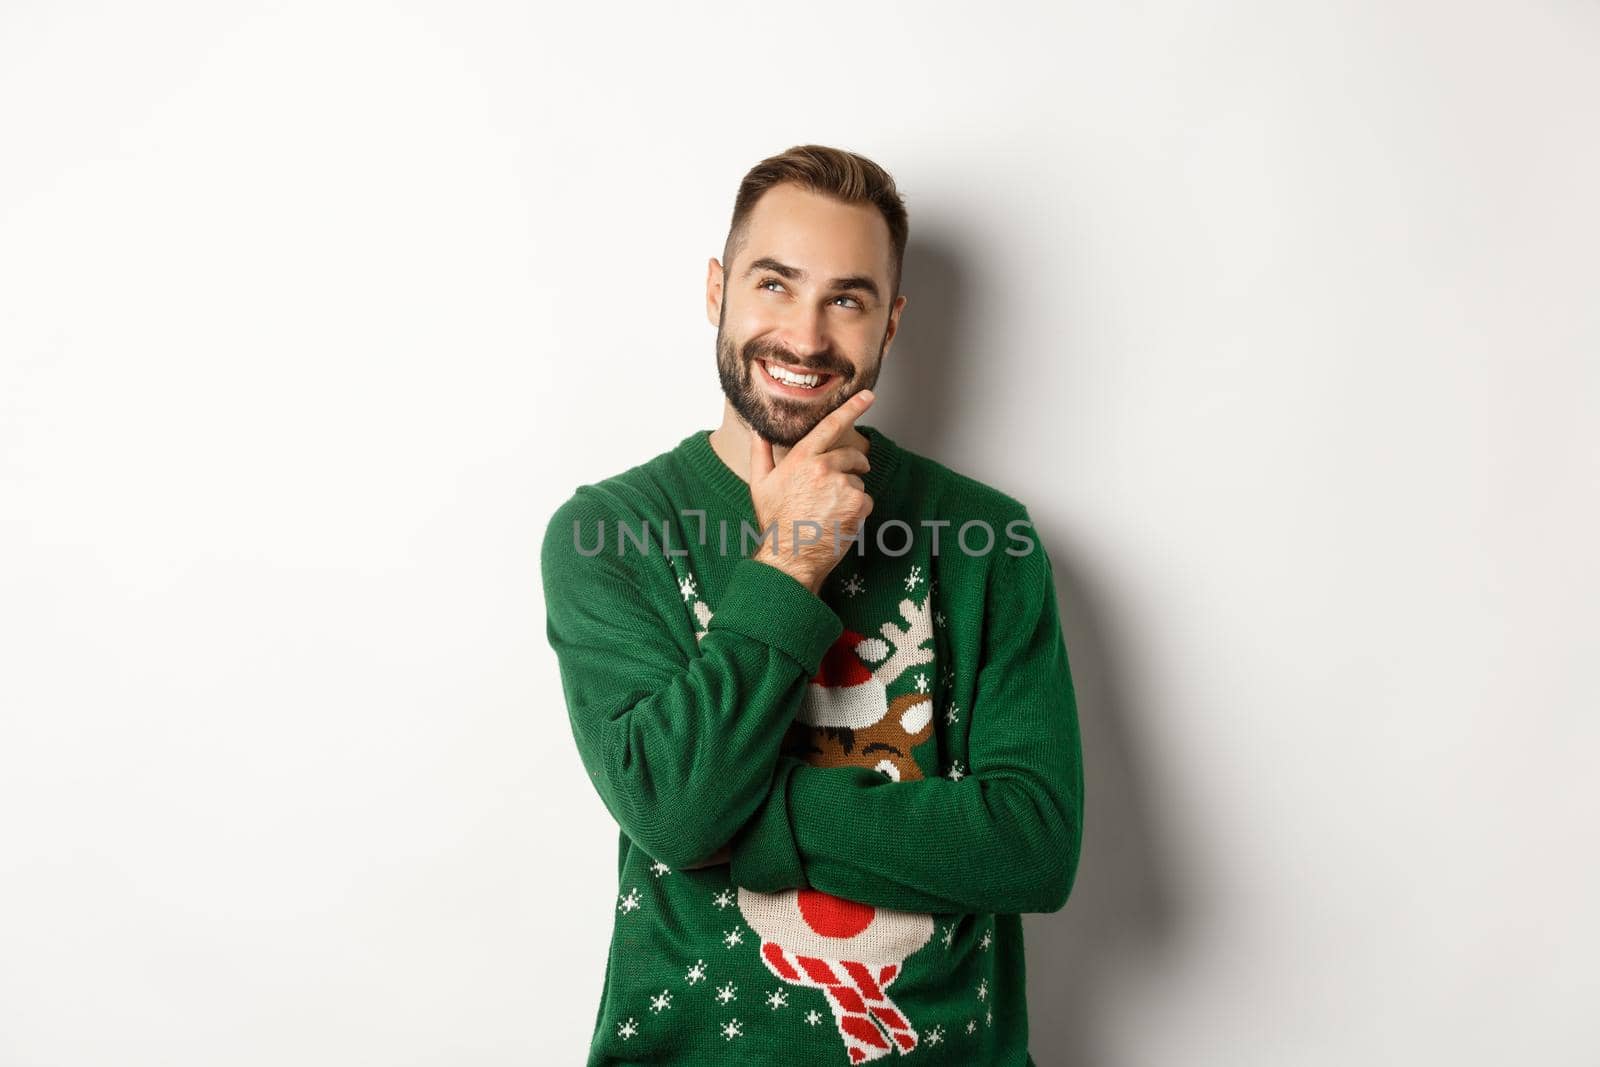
(819,682)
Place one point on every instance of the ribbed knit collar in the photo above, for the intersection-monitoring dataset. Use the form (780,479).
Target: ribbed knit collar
(697,453)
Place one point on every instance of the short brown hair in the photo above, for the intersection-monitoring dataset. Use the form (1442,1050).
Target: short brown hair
(845,176)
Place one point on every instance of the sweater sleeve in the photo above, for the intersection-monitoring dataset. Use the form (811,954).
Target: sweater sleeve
(1004,838)
(679,741)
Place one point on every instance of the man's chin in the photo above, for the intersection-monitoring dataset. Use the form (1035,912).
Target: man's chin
(781,428)
(780,434)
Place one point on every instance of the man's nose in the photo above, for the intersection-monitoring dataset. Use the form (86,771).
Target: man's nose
(806,331)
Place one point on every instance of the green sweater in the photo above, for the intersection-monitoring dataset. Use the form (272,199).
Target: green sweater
(894,764)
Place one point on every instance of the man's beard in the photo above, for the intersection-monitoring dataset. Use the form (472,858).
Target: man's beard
(779,419)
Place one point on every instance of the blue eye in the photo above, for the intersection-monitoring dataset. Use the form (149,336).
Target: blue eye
(854,305)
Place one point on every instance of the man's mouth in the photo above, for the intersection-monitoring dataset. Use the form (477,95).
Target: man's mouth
(792,381)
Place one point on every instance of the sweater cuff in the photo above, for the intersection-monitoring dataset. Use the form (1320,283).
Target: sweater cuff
(762,602)
(763,855)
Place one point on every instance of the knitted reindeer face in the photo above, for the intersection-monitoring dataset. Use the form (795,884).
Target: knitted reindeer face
(885,745)
(846,718)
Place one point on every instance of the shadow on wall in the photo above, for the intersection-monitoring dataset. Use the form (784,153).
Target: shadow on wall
(924,378)
(1124,910)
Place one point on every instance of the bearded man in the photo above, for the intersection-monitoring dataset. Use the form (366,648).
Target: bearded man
(819,682)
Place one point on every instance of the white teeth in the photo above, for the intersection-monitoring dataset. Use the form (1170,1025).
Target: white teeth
(807,380)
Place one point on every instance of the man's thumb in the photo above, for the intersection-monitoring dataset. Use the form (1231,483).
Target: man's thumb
(760,457)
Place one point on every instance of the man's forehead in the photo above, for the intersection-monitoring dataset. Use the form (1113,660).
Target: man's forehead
(821,235)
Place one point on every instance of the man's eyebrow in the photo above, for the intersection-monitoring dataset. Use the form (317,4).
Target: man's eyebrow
(854,281)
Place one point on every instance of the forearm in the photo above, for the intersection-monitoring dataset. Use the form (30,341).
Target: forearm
(680,741)
(989,843)
(683,767)
(720,856)
(1003,836)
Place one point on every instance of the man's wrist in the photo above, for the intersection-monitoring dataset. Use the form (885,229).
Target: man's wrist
(792,566)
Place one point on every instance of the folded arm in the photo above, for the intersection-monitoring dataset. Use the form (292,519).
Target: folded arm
(1004,838)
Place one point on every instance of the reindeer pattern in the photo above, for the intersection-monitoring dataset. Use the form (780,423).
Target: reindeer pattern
(848,951)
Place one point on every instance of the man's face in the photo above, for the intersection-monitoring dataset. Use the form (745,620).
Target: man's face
(808,293)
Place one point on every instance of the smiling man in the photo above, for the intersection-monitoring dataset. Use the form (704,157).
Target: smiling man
(819,682)
(800,343)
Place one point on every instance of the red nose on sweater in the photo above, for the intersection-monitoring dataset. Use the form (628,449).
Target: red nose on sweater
(832,917)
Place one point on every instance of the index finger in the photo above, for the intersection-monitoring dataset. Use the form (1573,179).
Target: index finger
(825,434)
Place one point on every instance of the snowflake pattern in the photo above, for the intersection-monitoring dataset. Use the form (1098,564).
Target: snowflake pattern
(938,618)
(952,714)
(983,989)
(922,682)
(733,937)
(853,584)
(913,578)
(697,972)
(813,1016)
(972,1024)
(661,1002)
(988,1017)
(955,773)
(936,1036)
(988,939)
(658,869)
(732,1029)
(627,1029)
(726,993)
(949,934)
(629,902)
(686,587)
(777,999)
(723,899)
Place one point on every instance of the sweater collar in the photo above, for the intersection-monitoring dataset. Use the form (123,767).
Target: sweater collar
(697,453)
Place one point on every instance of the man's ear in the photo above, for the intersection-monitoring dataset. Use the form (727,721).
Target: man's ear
(894,323)
(713,291)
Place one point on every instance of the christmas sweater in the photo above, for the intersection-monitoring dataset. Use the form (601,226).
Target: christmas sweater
(893,764)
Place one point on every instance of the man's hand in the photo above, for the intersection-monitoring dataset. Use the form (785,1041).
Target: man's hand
(818,481)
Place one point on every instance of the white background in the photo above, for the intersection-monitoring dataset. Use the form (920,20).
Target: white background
(1281,318)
